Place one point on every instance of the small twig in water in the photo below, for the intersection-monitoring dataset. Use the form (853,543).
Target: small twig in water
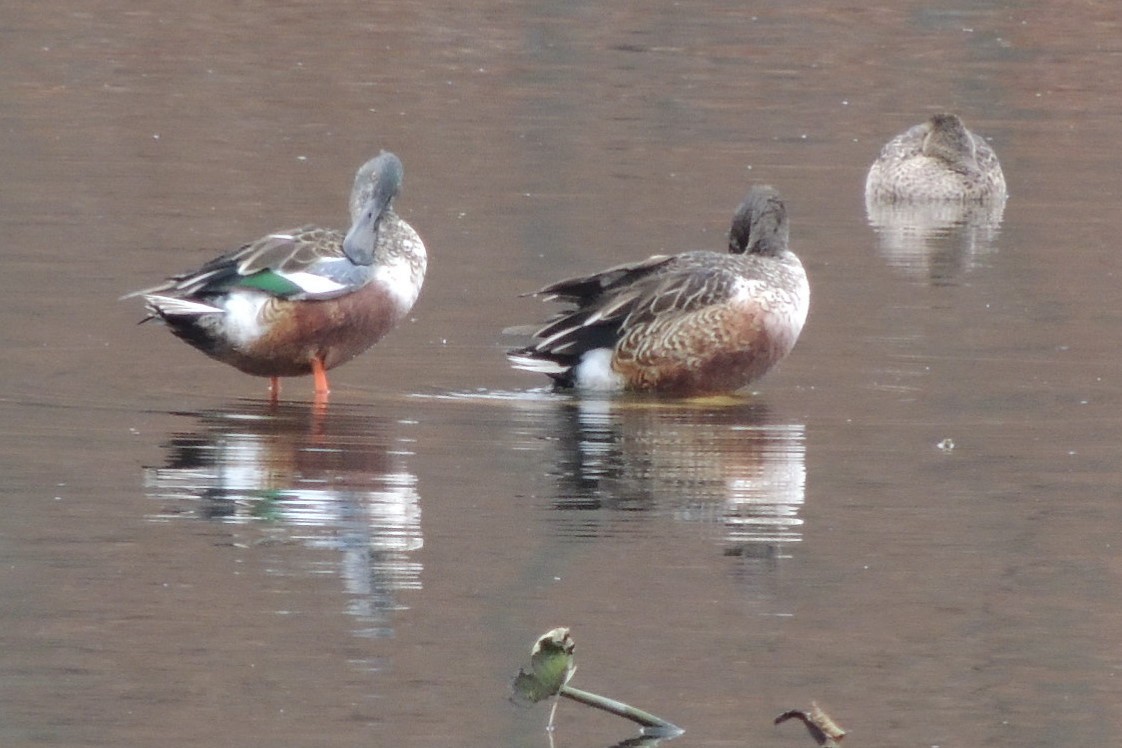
(651,724)
(821,727)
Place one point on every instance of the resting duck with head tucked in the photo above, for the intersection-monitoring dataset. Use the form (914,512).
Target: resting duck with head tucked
(304,300)
(689,324)
(936,161)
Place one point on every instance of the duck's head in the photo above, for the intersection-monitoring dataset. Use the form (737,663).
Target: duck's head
(376,184)
(760,223)
(948,139)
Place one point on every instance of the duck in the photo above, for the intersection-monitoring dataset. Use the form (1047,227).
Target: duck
(938,160)
(304,300)
(690,324)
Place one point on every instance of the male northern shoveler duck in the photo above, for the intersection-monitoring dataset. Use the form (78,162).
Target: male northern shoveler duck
(305,300)
(937,160)
(688,324)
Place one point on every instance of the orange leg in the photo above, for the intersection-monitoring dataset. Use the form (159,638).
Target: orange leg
(274,388)
(320,375)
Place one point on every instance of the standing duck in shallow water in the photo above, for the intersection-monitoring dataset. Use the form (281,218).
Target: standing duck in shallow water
(305,300)
(937,160)
(689,324)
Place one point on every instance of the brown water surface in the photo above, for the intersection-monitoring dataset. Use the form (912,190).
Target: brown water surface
(914,521)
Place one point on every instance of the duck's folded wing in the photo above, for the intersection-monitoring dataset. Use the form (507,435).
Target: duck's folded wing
(584,289)
(304,263)
(684,289)
(683,285)
(289,251)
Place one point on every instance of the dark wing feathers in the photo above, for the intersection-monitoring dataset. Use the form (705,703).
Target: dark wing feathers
(611,303)
(683,289)
(585,288)
(290,251)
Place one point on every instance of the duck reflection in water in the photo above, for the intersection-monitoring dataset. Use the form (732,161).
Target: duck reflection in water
(622,463)
(935,243)
(330,479)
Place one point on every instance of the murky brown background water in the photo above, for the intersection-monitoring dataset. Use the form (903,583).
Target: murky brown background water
(181,565)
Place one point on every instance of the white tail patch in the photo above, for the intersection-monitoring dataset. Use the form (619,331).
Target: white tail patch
(173,306)
(536,365)
(594,372)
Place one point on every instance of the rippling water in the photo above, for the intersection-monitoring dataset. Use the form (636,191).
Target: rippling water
(912,521)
